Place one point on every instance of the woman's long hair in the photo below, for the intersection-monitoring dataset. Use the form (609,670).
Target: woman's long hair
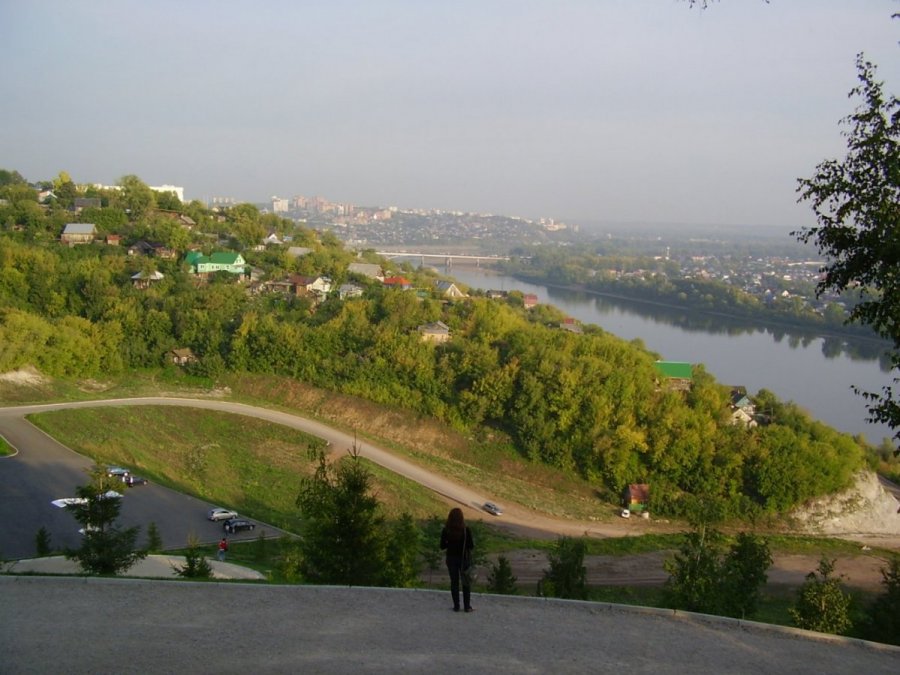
(456,524)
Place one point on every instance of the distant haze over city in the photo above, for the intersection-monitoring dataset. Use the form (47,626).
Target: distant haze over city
(586,112)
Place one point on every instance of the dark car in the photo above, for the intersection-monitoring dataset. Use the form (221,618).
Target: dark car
(233,525)
(132,481)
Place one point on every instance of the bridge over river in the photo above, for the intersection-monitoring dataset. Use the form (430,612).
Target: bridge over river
(448,258)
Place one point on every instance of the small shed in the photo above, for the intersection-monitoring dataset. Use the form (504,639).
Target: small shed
(637,497)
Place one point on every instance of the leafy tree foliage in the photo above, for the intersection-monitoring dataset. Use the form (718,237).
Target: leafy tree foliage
(567,576)
(501,579)
(8,177)
(135,197)
(883,622)
(857,207)
(705,576)
(693,582)
(105,547)
(821,605)
(743,575)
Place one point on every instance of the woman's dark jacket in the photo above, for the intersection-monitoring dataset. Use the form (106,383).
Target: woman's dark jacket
(452,542)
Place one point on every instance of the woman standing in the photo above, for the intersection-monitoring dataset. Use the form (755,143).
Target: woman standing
(456,539)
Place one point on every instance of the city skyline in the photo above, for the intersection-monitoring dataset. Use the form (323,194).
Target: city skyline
(579,111)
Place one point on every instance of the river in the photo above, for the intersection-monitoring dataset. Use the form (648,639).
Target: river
(814,372)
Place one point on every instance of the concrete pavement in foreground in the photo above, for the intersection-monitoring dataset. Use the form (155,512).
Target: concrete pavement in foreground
(93,625)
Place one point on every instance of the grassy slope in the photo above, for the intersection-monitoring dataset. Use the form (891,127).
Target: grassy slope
(256,466)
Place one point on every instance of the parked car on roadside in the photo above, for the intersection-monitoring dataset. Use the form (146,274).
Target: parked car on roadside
(116,471)
(233,525)
(132,481)
(219,513)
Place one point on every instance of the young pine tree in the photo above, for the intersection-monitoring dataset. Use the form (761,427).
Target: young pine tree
(501,579)
(105,547)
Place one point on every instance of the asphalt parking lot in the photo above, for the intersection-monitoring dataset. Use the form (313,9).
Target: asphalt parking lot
(45,470)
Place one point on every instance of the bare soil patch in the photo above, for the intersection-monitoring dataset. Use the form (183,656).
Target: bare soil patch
(528,565)
(24,376)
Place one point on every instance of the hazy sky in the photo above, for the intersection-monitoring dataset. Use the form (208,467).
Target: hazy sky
(608,110)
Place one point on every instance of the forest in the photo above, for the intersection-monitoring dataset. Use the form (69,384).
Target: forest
(589,403)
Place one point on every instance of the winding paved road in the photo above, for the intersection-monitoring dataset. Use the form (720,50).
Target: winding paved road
(45,470)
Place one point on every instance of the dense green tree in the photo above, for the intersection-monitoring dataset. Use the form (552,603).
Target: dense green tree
(246,225)
(135,197)
(430,544)
(821,604)
(694,572)
(8,177)
(567,575)
(342,537)
(105,547)
(402,553)
(857,206)
(154,540)
(743,575)
(168,201)
(883,622)
(196,566)
(501,579)
(705,577)
(42,542)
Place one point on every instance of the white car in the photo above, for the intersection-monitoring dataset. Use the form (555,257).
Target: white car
(493,509)
(219,513)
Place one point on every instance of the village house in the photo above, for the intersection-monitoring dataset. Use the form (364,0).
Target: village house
(437,331)
(743,411)
(144,280)
(78,233)
(349,290)
(571,325)
(398,282)
(300,285)
(529,300)
(220,261)
(152,248)
(181,357)
(674,375)
(448,289)
(79,204)
(370,270)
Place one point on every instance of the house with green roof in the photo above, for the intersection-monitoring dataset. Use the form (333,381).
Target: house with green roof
(220,261)
(674,374)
